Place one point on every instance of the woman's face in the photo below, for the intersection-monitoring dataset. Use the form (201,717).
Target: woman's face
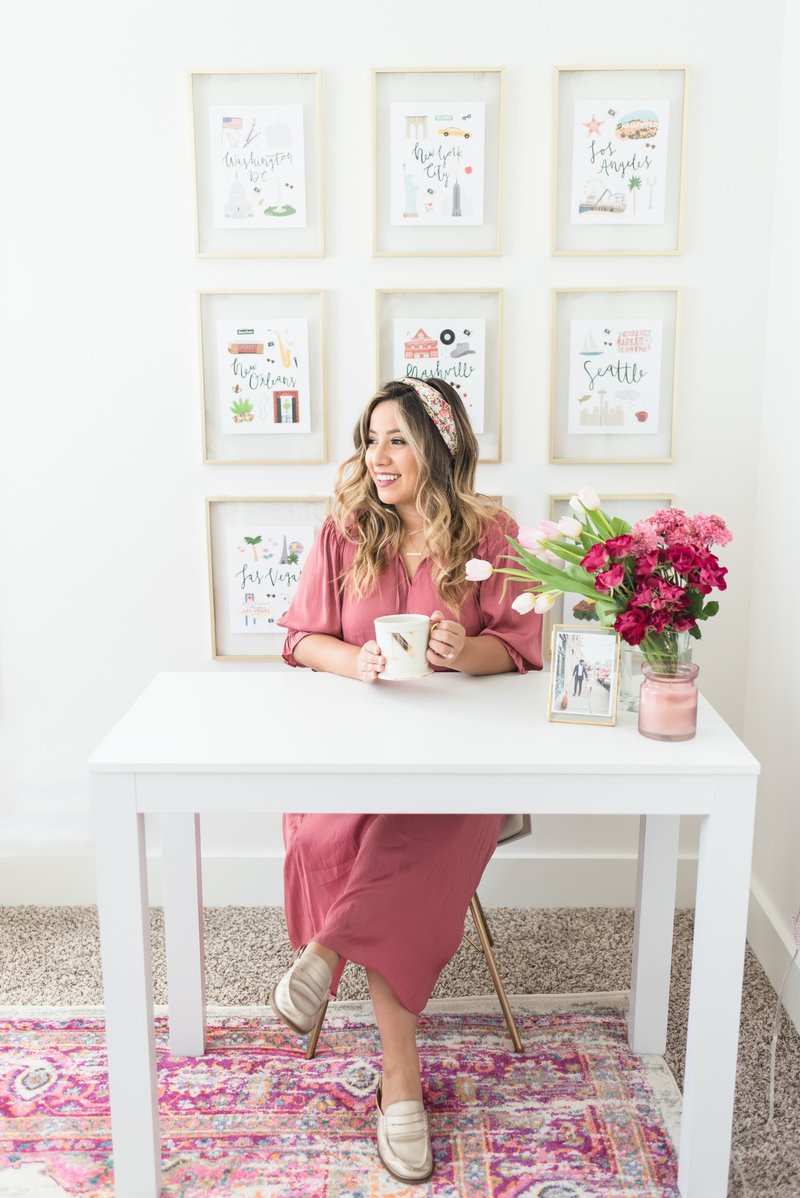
(390,459)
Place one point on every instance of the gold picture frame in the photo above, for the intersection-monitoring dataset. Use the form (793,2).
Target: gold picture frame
(479,84)
(573,84)
(239,86)
(484,303)
(234,631)
(585,648)
(659,303)
(296,449)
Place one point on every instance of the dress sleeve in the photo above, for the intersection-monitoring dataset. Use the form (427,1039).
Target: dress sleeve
(317,603)
(521,635)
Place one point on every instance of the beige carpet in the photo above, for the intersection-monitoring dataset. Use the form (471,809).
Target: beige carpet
(50,956)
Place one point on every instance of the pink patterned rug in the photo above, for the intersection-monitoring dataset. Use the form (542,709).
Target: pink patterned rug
(577,1116)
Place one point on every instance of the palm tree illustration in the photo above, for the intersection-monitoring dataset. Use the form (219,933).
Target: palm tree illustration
(634,183)
(252,542)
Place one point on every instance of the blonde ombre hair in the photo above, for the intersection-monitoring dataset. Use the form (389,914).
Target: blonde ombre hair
(454,516)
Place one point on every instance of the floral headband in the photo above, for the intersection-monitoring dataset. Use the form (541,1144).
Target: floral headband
(438,409)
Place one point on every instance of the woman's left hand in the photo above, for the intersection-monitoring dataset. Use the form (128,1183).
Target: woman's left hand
(446,641)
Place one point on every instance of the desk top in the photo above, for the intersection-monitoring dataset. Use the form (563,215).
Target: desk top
(298,721)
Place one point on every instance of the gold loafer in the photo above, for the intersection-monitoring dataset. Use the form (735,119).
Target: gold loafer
(302,992)
(404,1140)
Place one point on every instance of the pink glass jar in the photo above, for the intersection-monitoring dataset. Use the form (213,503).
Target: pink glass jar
(668,703)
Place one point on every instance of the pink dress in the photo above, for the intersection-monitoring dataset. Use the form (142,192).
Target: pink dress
(366,885)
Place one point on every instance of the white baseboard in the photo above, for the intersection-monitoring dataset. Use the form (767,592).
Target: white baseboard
(512,879)
(769,936)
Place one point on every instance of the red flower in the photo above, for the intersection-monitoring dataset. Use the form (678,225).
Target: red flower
(631,625)
(608,579)
(647,562)
(683,621)
(712,574)
(683,558)
(620,546)
(596,558)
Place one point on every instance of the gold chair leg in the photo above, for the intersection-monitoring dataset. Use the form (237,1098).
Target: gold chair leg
(486,944)
(479,906)
(314,1035)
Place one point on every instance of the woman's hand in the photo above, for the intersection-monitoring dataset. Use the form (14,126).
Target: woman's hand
(369,663)
(446,641)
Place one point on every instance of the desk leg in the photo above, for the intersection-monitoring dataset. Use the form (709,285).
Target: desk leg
(183,924)
(652,932)
(127,985)
(723,882)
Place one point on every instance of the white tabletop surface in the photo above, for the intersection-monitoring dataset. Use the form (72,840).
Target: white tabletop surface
(299,721)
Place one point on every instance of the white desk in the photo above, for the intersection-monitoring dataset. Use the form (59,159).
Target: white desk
(448,743)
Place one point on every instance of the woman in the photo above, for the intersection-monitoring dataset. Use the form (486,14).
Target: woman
(361,887)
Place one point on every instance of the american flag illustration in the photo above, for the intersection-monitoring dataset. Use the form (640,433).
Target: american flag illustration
(231,122)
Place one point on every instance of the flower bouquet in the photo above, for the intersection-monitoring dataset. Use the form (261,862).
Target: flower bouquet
(649,582)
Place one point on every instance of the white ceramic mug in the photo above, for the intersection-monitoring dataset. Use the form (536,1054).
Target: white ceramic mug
(403,642)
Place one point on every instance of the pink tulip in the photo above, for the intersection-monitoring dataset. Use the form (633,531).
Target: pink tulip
(478,570)
(530,538)
(570,527)
(524,603)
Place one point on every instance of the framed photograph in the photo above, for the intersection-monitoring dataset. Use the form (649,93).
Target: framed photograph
(573,608)
(584,675)
(257,549)
(263,377)
(453,335)
(613,374)
(437,162)
(619,143)
(258,163)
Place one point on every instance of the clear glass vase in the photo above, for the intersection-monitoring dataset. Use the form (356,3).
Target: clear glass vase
(668,702)
(631,660)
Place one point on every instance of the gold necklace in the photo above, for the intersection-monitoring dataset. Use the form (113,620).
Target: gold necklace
(412,552)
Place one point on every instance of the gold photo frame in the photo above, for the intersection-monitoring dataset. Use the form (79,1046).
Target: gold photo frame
(252,88)
(252,574)
(429,85)
(584,675)
(452,304)
(251,384)
(627,155)
(655,314)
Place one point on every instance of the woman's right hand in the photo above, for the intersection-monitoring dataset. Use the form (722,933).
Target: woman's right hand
(369,663)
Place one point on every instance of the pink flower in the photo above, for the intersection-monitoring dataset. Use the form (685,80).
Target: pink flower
(608,579)
(645,538)
(531,538)
(478,570)
(712,574)
(550,530)
(524,603)
(711,530)
(683,621)
(570,527)
(596,558)
(620,546)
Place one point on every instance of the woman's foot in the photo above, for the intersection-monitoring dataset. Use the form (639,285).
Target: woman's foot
(404,1141)
(300,995)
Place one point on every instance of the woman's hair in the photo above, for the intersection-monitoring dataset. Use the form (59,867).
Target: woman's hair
(454,516)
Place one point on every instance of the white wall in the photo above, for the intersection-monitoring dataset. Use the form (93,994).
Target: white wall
(772,655)
(103,567)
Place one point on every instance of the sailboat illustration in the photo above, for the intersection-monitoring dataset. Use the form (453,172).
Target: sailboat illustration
(590,349)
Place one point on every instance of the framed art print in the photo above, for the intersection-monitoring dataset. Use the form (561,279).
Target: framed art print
(584,675)
(258,164)
(263,376)
(453,335)
(437,161)
(257,549)
(618,159)
(614,367)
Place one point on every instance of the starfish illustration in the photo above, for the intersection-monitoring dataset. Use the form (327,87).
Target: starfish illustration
(592,126)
